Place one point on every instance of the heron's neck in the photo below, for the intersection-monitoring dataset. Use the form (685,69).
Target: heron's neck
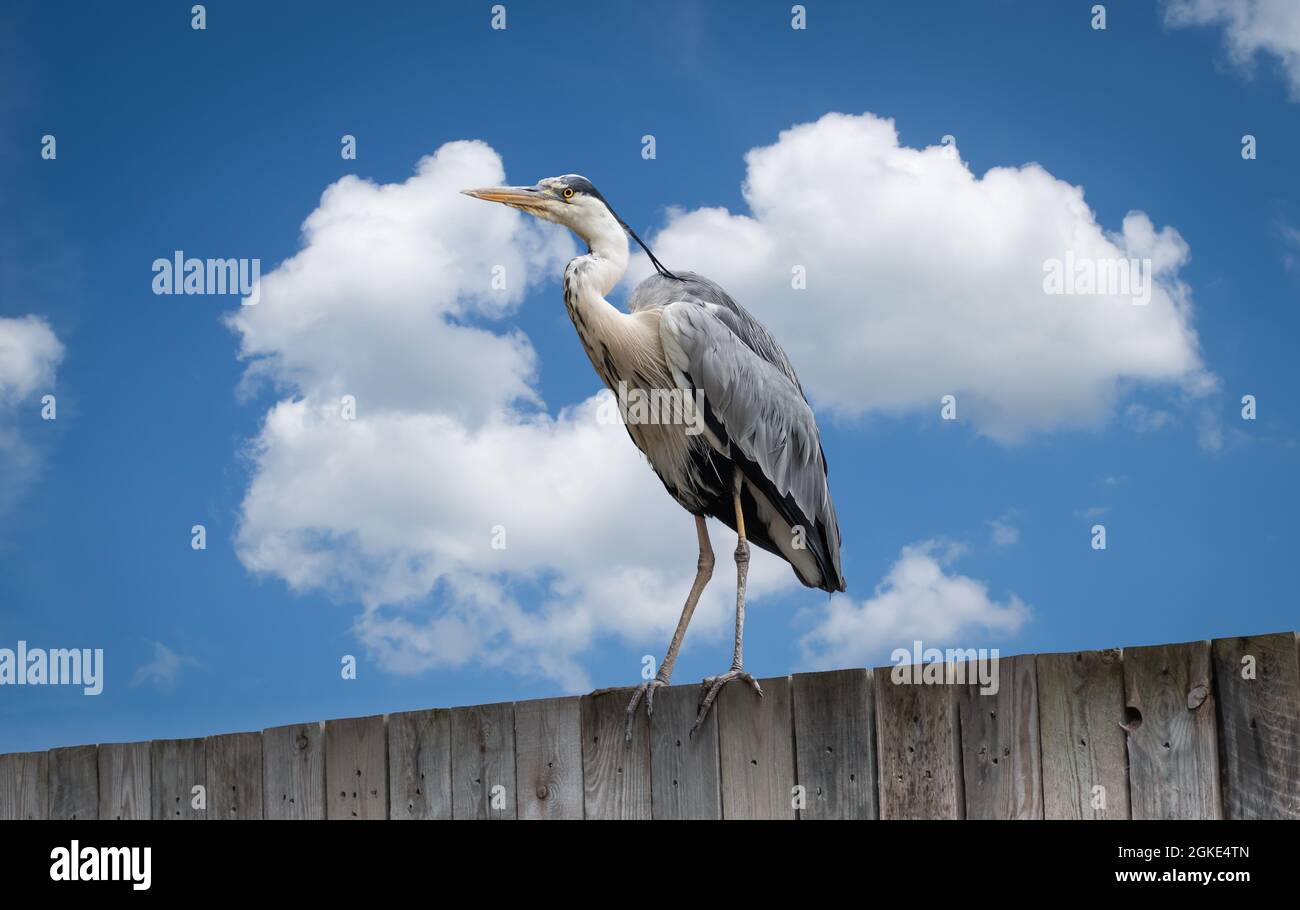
(606,259)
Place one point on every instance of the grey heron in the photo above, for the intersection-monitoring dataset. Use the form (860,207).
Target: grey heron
(758,466)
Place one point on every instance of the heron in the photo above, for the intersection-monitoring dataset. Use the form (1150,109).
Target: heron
(756,464)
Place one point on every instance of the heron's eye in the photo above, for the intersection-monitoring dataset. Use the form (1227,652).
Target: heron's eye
(568,192)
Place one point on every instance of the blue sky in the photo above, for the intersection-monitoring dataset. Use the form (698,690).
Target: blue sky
(220,143)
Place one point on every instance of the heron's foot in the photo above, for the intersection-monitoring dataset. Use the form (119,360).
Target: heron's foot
(644,691)
(712,685)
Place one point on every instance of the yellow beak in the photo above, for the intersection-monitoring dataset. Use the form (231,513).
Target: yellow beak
(525,196)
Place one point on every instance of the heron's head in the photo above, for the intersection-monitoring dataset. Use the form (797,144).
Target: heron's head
(572,201)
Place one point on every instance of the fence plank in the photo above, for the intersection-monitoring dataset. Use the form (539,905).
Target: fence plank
(24,786)
(482,759)
(835,743)
(918,748)
(419,764)
(1002,768)
(293,772)
(356,768)
(74,783)
(1172,746)
(683,769)
(235,776)
(1085,759)
(548,758)
(176,767)
(1258,682)
(615,773)
(125,781)
(756,750)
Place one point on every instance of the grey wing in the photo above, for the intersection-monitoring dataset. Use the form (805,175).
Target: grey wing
(756,414)
(659,291)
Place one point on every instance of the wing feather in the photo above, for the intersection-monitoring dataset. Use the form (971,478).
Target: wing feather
(756,414)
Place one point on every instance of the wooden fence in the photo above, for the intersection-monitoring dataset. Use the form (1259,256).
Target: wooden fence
(1197,730)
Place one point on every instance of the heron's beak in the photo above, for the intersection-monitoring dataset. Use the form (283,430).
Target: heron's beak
(519,197)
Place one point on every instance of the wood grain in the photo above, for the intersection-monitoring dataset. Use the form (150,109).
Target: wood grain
(1258,680)
(756,750)
(125,781)
(1172,745)
(235,776)
(1002,767)
(918,747)
(419,765)
(74,783)
(356,768)
(684,770)
(24,786)
(615,772)
(293,772)
(176,768)
(483,762)
(1085,757)
(835,743)
(548,758)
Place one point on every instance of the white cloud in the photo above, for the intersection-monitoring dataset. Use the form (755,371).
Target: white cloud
(925,280)
(1146,419)
(1250,28)
(390,300)
(30,354)
(918,600)
(1005,534)
(165,667)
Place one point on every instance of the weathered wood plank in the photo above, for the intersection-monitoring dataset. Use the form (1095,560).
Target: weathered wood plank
(548,758)
(756,750)
(1002,767)
(683,769)
(483,762)
(1258,682)
(356,768)
(74,783)
(293,772)
(235,776)
(176,767)
(419,765)
(1085,759)
(125,781)
(1172,744)
(835,743)
(24,786)
(917,747)
(615,773)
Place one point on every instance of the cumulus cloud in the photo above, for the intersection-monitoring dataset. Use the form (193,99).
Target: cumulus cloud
(30,354)
(391,300)
(918,600)
(924,280)
(1251,28)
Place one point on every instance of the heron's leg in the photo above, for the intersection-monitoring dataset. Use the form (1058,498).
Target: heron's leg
(713,685)
(703,572)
